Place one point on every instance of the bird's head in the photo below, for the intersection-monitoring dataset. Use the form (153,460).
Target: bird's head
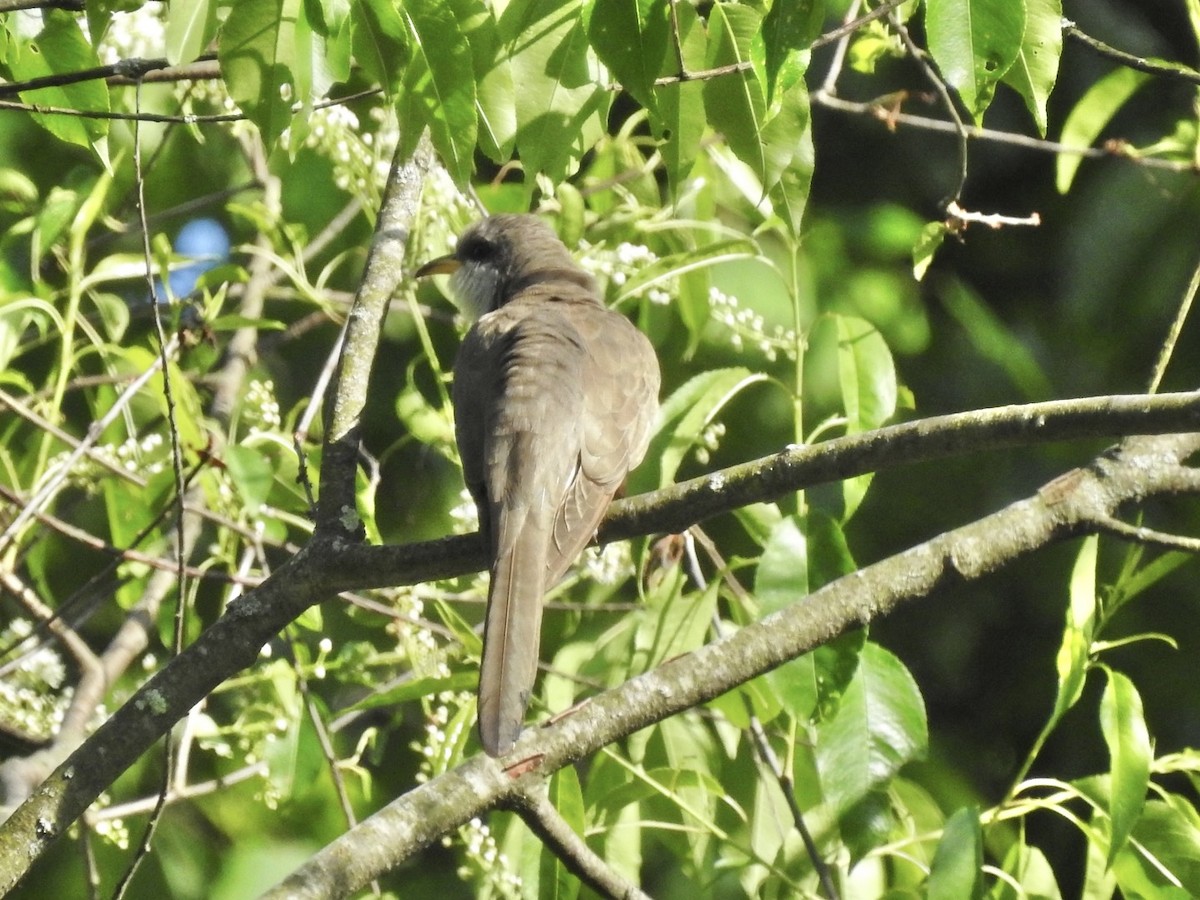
(501,255)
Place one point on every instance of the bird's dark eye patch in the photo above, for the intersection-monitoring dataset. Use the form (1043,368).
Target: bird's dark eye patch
(476,249)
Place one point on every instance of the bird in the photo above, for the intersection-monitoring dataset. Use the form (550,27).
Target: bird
(555,397)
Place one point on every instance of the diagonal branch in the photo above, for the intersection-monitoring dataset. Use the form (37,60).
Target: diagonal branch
(1070,505)
(330,563)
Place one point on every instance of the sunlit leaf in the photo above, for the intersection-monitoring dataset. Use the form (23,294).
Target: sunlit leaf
(974,43)
(1035,70)
(259,61)
(1089,116)
(878,727)
(562,103)
(1129,754)
(1072,659)
(60,48)
(631,38)
(441,75)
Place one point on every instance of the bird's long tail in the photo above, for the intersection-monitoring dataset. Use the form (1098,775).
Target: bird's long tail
(512,631)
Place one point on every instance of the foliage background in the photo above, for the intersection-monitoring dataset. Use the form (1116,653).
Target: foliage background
(1076,306)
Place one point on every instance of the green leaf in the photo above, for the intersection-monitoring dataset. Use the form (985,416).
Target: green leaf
(60,48)
(926,246)
(251,473)
(328,17)
(782,576)
(259,61)
(234,322)
(1036,68)
(1089,116)
(680,118)
(380,42)
(495,94)
(790,568)
(1072,659)
(956,872)
(682,419)
(1129,754)
(416,689)
(672,623)
(877,728)
(866,373)
(429,425)
(555,880)
(735,102)
(190,27)
(782,43)
(562,104)
(974,42)
(441,75)
(1167,863)
(1032,872)
(631,38)
(789,156)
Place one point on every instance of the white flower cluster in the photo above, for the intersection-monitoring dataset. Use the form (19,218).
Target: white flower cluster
(31,698)
(139,34)
(748,326)
(144,456)
(710,440)
(260,409)
(361,159)
(610,564)
(480,846)
(617,265)
(465,515)
(114,830)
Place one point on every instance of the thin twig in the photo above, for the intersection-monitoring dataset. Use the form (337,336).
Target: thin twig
(1143,535)
(975,132)
(847,28)
(1168,347)
(762,744)
(1140,63)
(931,74)
(544,820)
(52,483)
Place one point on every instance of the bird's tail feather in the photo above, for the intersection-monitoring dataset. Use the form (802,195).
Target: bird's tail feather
(512,634)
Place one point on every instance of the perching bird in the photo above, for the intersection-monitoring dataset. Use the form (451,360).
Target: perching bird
(554,398)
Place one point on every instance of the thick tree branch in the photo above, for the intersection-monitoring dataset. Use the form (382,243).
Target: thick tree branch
(1070,505)
(331,563)
(336,510)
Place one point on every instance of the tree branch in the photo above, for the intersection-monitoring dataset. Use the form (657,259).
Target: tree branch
(330,563)
(544,820)
(1070,505)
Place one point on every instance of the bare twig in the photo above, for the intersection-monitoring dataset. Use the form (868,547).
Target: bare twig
(544,820)
(1168,347)
(762,745)
(1176,71)
(1143,535)
(931,74)
(974,132)
(181,545)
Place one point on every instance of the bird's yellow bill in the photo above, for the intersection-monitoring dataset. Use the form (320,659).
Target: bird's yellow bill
(443,265)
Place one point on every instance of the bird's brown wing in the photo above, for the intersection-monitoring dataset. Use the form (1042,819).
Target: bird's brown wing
(619,405)
(522,384)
